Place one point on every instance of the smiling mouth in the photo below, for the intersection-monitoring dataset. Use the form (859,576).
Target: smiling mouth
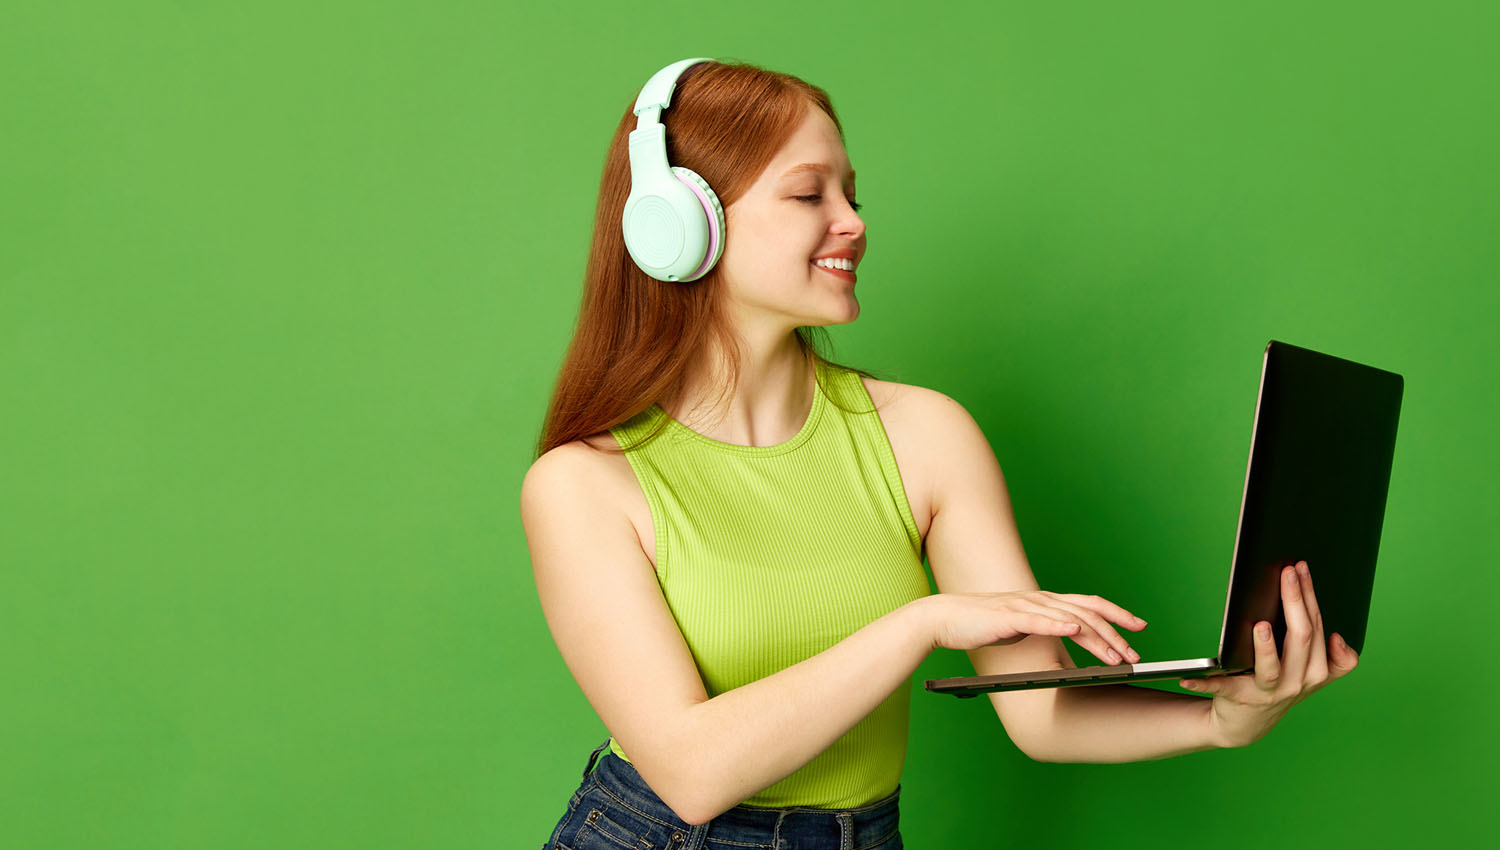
(839,273)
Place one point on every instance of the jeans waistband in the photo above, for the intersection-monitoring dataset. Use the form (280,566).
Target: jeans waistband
(855,828)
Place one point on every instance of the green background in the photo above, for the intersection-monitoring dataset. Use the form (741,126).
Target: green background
(284,287)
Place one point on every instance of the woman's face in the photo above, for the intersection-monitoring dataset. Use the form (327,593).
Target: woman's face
(800,209)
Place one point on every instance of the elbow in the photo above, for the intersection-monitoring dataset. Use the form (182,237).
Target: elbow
(693,810)
(683,776)
(1039,756)
(687,811)
(1044,750)
(689,807)
(690,799)
(698,800)
(1031,752)
(1033,747)
(690,780)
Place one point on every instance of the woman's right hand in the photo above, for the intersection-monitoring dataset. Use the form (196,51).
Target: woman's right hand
(971,620)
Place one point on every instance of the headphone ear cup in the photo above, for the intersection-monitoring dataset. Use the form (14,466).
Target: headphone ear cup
(666,231)
(713,213)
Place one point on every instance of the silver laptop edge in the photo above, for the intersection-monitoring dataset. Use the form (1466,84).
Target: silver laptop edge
(1239,526)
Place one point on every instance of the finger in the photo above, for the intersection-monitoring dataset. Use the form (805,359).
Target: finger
(1212,685)
(1108,609)
(1058,622)
(1298,630)
(1342,659)
(1117,649)
(1018,624)
(1044,604)
(1317,659)
(1267,665)
(1202,685)
(1043,623)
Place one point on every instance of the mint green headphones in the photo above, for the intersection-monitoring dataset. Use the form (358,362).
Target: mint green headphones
(673,223)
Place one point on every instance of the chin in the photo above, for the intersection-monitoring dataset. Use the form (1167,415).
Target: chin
(845,316)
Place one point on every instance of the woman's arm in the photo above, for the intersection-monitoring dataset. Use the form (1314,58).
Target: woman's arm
(1120,723)
(604,607)
(973,546)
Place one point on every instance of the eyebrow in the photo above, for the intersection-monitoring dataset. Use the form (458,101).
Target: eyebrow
(818,167)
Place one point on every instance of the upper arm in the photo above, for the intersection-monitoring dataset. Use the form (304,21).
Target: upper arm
(973,546)
(604,607)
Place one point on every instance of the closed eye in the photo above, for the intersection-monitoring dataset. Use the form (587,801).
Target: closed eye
(813,199)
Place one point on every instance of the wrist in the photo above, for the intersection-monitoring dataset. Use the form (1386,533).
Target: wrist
(1218,735)
(921,622)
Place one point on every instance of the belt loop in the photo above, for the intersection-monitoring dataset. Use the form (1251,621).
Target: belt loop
(593,757)
(846,830)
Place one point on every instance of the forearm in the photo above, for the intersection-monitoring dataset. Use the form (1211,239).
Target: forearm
(1123,723)
(747,739)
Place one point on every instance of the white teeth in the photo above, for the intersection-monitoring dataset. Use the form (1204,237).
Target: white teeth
(835,263)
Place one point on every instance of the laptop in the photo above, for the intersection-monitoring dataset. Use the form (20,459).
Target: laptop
(1315,490)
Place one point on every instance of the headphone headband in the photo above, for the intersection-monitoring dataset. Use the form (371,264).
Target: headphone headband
(658,90)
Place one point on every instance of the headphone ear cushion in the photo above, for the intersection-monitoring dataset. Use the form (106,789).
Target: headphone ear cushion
(713,211)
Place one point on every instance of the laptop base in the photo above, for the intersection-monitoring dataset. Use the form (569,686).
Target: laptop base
(1121,674)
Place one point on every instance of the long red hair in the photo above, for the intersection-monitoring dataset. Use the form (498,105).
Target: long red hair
(636,335)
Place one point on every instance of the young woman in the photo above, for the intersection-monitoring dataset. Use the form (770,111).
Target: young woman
(727,529)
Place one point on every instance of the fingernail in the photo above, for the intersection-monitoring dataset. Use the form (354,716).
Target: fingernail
(1263,632)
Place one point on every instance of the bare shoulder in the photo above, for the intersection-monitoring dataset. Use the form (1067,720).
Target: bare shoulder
(922,425)
(922,418)
(559,467)
(908,398)
(591,485)
(573,469)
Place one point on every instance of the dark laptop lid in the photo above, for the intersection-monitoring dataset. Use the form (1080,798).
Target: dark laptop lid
(1315,490)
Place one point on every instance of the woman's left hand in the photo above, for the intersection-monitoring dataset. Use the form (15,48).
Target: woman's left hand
(1246,706)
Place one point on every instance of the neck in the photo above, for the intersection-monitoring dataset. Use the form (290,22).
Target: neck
(769,404)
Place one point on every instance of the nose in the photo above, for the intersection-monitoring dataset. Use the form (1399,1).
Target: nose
(847,223)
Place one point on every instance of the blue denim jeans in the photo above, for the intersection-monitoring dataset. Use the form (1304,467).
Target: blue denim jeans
(614,809)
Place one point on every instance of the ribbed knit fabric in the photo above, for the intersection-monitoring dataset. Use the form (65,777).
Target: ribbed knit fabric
(768,555)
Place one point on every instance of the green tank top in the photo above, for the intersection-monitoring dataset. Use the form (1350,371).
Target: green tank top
(768,555)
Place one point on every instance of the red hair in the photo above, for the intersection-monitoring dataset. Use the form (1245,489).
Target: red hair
(636,336)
